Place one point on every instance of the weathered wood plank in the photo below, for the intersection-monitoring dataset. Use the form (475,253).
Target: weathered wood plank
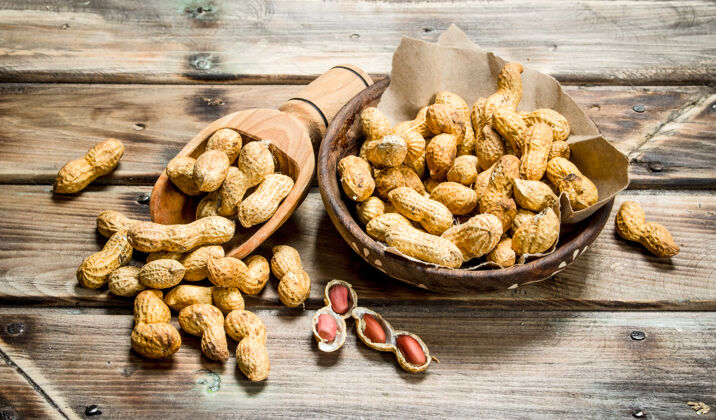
(45,126)
(43,239)
(492,365)
(184,42)
(18,399)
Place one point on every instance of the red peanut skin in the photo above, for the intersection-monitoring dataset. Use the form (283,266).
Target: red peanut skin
(411,350)
(338,296)
(326,327)
(373,330)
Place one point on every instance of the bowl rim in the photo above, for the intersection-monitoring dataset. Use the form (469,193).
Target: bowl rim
(338,211)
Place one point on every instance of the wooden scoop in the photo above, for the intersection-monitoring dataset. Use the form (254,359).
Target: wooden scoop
(293,130)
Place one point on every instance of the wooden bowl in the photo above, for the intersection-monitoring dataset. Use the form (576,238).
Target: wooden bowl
(344,138)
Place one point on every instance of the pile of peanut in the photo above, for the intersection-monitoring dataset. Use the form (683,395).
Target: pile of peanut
(495,170)
(225,185)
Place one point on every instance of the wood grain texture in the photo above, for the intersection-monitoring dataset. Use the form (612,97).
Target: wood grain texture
(18,398)
(44,126)
(193,40)
(492,365)
(38,260)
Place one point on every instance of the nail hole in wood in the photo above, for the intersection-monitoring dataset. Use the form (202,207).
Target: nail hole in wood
(16,328)
(637,335)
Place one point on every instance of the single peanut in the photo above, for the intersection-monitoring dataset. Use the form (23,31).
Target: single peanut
(419,124)
(503,254)
(206,321)
(430,184)
(499,186)
(489,148)
(402,176)
(356,178)
(476,237)
(511,126)
(184,295)
(210,170)
(464,170)
(227,299)
(370,209)
(180,171)
(374,124)
(459,199)
(161,274)
(326,327)
(386,152)
(423,246)
(124,281)
(209,205)
(631,225)
(195,261)
(559,149)
(79,173)
(521,217)
(110,222)
(440,154)
(378,227)
(95,269)
(255,163)
(509,90)
(263,203)
(505,209)
(432,215)
(467,145)
(581,192)
(533,195)
(153,336)
(535,151)
(251,354)
(250,276)
(411,349)
(416,149)
(226,140)
(338,295)
(557,122)
(153,237)
(294,283)
(483,180)
(372,329)
(538,234)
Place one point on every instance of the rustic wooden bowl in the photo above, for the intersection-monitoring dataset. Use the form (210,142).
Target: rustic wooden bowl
(343,137)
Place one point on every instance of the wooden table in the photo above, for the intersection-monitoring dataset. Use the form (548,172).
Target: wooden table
(620,333)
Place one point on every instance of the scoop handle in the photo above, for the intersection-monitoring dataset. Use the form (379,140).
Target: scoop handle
(317,103)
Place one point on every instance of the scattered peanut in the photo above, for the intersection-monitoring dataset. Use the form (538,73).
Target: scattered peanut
(423,246)
(294,284)
(356,178)
(95,269)
(207,322)
(184,295)
(124,281)
(509,90)
(153,237)
(251,354)
(263,203)
(432,215)
(227,299)
(153,336)
(195,261)
(210,170)
(180,171)
(161,274)
(631,225)
(79,173)
(255,163)
(580,191)
(110,222)
(226,140)
(250,276)
(511,126)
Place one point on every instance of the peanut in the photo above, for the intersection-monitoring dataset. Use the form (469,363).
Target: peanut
(503,254)
(206,321)
(489,148)
(95,269)
(153,237)
(512,127)
(521,217)
(533,195)
(370,209)
(580,191)
(161,274)
(255,163)
(372,329)
(209,205)
(124,281)
(442,118)
(505,209)
(502,178)
(326,327)
(423,246)
(467,145)
(432,215)
(411,349)
(338,296)
(387,152)
(631,225)
(180,171)
(430,185)
(509,90)
(195,261)
(356,178)
(374,124)
(251,354)
(163,255)
(294,283)
(153,336)
(226,140)
(559,149)
(79,173)
(227,299)
(250,276)
(378,227)
(402,176)
(464,170)
(537,234)
(476,237)
(416,150)
(557,122)
(210,170)
(483,180)
(263,203)
(440,155)
(459,199)
(110,222)
(535,152)
(419,124)
(184,295)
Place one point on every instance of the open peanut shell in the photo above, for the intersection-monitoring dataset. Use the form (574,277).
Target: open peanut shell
(350,297)
(340,337)
(345,302)
(391,339)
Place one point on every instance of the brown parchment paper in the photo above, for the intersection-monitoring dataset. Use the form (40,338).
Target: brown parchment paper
(454,63)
